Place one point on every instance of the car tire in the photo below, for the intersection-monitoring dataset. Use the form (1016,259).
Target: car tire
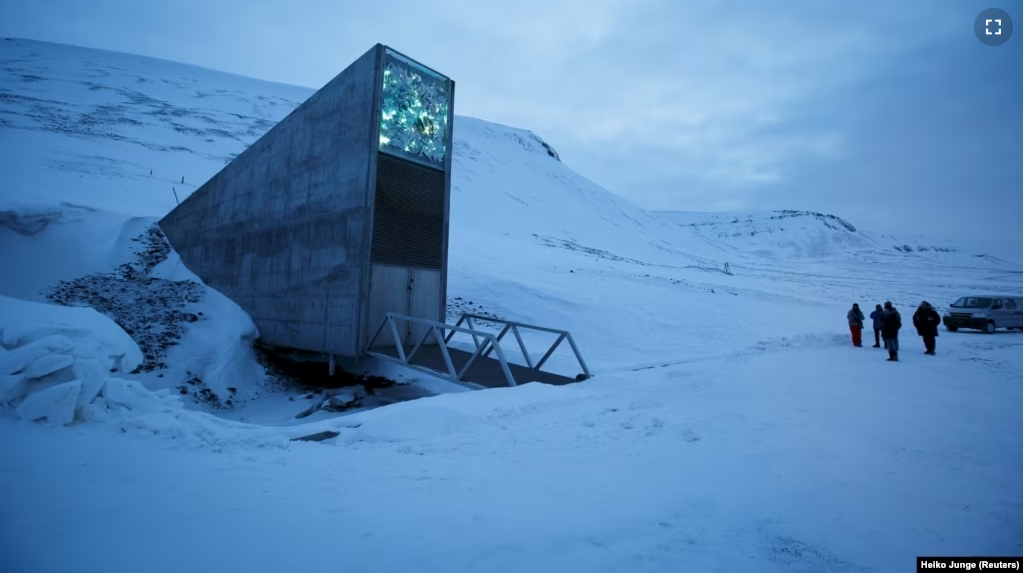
(952,328)
(990,327)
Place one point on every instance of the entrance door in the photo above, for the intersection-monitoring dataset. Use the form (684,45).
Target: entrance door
(406,291)
(425,302)
(390,291)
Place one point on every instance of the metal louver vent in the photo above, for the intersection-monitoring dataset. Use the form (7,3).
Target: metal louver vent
(408,214)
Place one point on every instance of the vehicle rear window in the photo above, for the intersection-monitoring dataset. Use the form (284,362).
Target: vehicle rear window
(972,302)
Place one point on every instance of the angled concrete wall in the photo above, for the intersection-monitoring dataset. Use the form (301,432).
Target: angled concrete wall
(283,230)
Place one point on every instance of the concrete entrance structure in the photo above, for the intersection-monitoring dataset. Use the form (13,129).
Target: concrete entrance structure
(338,215)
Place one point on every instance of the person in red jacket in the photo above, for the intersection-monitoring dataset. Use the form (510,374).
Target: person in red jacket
(856,319)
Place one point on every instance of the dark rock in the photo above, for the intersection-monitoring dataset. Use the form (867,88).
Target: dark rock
(318,437)
(147,308)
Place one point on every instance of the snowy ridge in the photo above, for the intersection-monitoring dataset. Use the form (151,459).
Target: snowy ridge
(802,235)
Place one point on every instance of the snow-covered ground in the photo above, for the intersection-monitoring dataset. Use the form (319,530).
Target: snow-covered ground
(731,425)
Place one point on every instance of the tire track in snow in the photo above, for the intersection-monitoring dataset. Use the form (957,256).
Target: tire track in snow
(799,342)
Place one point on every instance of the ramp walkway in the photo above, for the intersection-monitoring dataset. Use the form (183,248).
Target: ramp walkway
(486,367)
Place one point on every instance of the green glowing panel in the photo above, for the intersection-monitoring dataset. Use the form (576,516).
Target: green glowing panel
(414,112)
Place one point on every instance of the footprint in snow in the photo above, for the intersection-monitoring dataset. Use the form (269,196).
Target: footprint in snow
(409,450)
(653,426)
(690,436)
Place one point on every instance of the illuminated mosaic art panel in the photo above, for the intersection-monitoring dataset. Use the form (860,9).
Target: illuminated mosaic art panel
(414,112)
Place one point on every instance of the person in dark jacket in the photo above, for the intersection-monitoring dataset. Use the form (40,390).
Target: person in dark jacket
(927,321)
(891,324)
(856,319)
(877,316)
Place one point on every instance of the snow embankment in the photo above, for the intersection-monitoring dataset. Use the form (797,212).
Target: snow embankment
(190,336)
(69,365)
(28,217)
(56,361)
(61,365)
(218,347)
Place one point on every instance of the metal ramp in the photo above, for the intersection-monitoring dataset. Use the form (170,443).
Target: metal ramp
(433,355)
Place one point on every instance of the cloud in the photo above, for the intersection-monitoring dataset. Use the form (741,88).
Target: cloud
(689,89)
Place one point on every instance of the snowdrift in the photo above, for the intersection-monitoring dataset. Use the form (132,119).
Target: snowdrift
(55,361)
(65,365)
(121,269)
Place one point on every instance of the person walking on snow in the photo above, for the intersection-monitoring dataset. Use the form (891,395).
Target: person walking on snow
(877,316)
(926,321)
(856,319)
(891,324)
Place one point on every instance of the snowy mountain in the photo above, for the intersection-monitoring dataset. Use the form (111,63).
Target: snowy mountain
(730,424)
(806,235)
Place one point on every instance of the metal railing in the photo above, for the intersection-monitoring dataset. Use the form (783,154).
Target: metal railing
(485,343)
(511,326)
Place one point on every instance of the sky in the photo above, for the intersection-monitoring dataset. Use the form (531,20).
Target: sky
(892,115)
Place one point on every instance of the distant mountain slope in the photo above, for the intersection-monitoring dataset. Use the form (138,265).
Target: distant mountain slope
(806,235)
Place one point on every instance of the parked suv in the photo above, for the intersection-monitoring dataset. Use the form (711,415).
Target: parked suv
(986,312)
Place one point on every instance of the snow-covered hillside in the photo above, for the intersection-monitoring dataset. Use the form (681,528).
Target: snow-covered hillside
(119,133)
(806,235)
(731,425)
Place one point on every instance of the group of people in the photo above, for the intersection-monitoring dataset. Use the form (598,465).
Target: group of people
(887,322)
